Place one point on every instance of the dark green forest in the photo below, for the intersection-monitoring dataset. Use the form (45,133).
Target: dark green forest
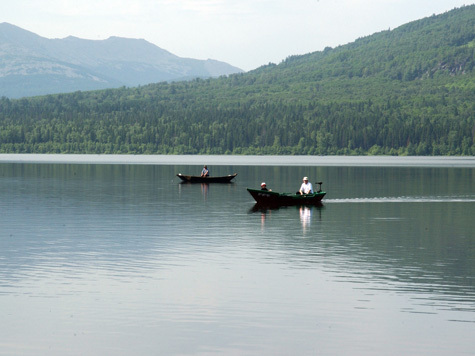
(404,91)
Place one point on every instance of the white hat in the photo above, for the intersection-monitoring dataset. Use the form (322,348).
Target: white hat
(305,178)
(263,183)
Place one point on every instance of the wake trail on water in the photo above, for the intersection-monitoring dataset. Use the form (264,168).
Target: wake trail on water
(405,199)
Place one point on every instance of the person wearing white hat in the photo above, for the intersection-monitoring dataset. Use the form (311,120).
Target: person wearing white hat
(306,187)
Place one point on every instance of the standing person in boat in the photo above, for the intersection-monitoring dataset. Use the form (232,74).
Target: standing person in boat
(205,172)
(306,187)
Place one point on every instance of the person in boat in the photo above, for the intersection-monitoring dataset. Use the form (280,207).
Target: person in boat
(264,186)
(306,187)
(205,172)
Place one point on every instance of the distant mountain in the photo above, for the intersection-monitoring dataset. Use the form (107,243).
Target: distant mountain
(33,65)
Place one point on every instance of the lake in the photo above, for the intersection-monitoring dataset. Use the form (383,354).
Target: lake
(112,255)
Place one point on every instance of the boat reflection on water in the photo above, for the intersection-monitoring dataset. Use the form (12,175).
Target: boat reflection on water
(305,213)
(305,217)
(189,190)
(204,190)
(267,208)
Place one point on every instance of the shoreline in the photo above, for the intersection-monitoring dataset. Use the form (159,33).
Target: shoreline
(382,161)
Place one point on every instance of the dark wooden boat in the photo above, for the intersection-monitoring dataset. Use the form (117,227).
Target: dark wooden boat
(198,179)
(271,198)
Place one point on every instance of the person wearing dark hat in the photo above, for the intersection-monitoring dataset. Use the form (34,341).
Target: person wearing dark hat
(306,187)
(205,172)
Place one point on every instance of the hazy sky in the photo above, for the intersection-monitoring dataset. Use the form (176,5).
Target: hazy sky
(244,33)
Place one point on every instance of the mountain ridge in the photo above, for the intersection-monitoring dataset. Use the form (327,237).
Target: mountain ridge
(34,65)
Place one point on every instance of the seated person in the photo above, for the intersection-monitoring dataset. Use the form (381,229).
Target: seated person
(264,186)
(306,187)
(205,172)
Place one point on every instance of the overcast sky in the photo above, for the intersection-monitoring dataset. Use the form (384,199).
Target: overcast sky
(244,33)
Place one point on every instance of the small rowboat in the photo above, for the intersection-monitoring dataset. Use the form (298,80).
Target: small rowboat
(198,179)
(271,198)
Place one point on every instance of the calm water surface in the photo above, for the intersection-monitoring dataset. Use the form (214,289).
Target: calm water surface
(122,259)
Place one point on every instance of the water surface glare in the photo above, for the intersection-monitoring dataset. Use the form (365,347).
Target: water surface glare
(118,259)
